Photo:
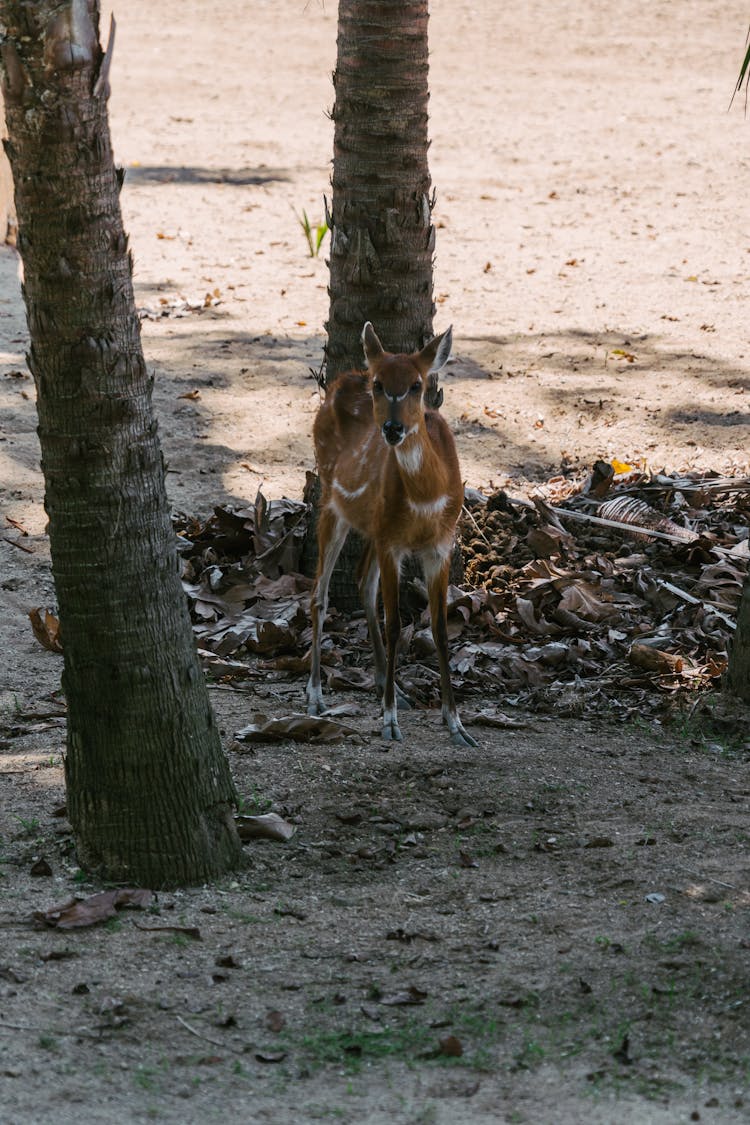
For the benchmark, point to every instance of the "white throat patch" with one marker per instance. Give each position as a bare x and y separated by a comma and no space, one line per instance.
410,459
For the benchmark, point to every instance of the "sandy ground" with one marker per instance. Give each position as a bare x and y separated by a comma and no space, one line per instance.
593,257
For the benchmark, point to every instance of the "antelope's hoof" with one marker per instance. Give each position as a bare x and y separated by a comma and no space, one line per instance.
315,703
461,738
391,732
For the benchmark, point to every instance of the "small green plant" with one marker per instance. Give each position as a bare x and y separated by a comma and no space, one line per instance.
313,234
47,1042
530,1055
351,1048
255,804
145,1077
30,826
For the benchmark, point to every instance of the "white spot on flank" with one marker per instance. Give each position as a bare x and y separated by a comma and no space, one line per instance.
350,495
410,459
430,507
363,451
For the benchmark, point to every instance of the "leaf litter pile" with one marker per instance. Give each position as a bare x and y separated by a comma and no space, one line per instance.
616,593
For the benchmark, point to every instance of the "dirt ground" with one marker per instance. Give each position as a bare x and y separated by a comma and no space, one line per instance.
566,906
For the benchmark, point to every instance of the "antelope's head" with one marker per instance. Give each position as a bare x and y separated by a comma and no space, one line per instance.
399,381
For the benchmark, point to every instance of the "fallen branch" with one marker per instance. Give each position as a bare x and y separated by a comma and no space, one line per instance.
686,597
630,528
21,546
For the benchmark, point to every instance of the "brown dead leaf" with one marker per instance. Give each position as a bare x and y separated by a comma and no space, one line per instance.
193,395
581,599
270,1056
488,718
77,913
227,961
275,1021
412,995
269,826
655,660
546,541
452,1047
46,629
300,728
350,679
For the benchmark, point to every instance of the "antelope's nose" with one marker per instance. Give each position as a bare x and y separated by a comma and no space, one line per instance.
393,432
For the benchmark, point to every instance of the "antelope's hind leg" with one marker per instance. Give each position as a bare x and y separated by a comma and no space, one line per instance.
436,568
332,533
389,574
369,583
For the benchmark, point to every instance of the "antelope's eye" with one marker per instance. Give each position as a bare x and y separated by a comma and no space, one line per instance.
377,387
415,388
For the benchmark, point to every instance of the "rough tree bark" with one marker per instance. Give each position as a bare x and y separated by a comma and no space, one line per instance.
382,237
738,673
149,789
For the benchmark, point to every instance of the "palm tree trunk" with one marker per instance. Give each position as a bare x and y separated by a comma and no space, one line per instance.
382,238
149,789
738,673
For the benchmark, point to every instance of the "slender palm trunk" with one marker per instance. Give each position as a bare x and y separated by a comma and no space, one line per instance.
149,789
382,236
738,673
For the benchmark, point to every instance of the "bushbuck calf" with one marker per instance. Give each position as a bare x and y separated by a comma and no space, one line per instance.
389,469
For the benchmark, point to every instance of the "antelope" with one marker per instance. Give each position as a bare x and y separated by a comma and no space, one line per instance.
388,468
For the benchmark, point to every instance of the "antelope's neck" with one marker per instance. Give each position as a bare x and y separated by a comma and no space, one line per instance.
422,475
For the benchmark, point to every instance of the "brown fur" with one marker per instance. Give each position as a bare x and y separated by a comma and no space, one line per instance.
403,497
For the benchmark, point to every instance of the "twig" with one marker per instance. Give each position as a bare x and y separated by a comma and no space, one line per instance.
709,879
695,601
685,484
478,529
21,546
79,1033
193,1031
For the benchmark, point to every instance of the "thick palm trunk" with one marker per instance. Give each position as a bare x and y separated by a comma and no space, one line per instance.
149,789
738,674
382,237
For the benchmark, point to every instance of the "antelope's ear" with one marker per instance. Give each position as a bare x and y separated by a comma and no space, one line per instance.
371,344
435,355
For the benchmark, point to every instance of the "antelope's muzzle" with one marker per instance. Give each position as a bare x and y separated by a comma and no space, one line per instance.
393,432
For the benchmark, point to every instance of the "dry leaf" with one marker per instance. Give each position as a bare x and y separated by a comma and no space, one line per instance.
300,728
655,660
77,913
269,826
413,995
270,1056
275,1021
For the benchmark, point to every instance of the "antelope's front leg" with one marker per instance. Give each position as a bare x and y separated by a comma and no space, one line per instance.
389,570
436,575
332,532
